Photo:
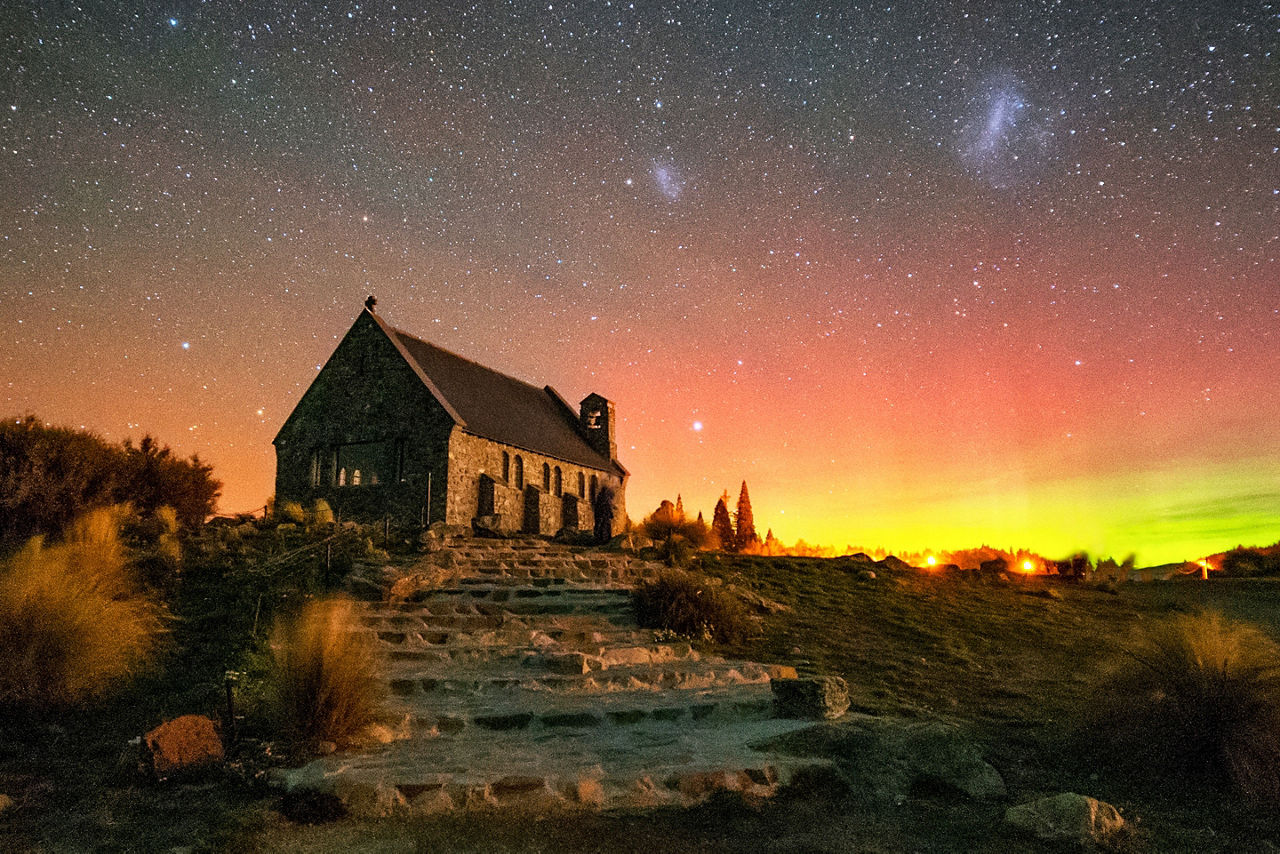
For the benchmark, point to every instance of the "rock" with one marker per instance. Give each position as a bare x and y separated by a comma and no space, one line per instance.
6,804
1067,817
891,758
434,801
568,663
762,604
782,671
816,698
865,575
368,798
183,745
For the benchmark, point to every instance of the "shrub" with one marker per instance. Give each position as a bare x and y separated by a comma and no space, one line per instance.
686,603
322,676
72,621
677,536
51,475
322,512
1201,697
291,512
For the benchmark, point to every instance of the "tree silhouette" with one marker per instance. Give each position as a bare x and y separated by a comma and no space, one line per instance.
722,526
745,536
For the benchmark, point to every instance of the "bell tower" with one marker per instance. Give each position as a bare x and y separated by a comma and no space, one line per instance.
598,419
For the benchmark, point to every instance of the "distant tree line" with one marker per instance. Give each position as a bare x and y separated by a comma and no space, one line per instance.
677,534
50,475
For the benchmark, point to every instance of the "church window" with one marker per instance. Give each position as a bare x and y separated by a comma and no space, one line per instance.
595,486
506,467
546,478
582,485
519,472
559,482
366,463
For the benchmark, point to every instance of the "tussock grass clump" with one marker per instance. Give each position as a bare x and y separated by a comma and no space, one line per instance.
73,622
692,605
322,674
1201,697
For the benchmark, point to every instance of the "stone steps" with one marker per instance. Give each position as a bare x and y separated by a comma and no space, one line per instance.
657,763
698,676
542,713
523,681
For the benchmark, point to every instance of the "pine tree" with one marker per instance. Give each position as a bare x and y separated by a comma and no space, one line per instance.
722,526
745,536
679,511
771,544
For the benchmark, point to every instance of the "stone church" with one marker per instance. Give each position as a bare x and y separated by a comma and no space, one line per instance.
395,427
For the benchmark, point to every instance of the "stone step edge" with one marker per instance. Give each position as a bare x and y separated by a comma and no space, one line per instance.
370,795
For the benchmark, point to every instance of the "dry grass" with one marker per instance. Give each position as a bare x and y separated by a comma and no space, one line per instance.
323,680
691,605
72,622
1201,697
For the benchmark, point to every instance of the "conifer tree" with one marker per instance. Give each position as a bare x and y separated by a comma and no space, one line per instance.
745,535
722,526
679,511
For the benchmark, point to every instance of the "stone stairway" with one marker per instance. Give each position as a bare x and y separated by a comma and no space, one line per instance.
524,682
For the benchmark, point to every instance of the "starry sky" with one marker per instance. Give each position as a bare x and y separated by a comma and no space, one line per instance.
925,274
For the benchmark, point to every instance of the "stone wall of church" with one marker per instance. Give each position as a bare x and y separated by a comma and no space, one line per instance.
470,457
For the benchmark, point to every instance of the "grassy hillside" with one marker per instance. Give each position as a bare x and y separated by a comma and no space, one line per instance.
1013,663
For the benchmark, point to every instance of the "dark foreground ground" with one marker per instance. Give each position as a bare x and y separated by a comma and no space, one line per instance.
1011,663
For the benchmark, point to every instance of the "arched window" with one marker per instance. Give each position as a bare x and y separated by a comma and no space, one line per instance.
506,467
595,486
519,472
355,477
582,485
342,477
546,478
559,482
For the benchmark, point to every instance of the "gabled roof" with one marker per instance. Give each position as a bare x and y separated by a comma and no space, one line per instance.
494,406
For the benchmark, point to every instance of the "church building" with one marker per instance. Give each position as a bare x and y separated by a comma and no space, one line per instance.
393,426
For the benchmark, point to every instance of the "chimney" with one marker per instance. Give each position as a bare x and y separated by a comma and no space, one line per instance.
597,420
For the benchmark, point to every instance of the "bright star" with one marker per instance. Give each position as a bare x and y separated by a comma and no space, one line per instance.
697,426
173,22
186,345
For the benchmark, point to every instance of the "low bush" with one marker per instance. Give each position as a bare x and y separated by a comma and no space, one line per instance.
322,680
1200,698
73,622
690,605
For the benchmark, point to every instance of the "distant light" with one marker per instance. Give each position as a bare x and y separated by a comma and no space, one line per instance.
186,345
931,560
697,426
1027,566
173,22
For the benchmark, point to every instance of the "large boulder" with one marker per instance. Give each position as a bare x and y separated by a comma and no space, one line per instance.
814,698
182,746
1067,817
892,759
